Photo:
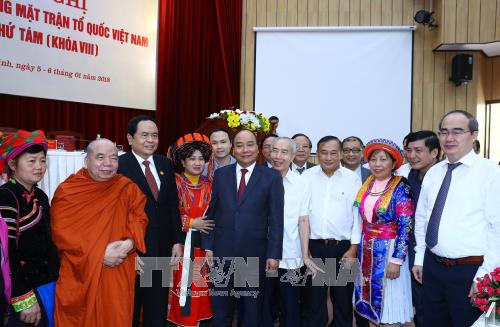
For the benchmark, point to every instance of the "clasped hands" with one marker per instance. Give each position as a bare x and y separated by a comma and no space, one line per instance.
117,251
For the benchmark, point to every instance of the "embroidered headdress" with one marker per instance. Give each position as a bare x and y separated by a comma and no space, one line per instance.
386,145
13,145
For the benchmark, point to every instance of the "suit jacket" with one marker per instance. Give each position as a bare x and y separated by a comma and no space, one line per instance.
365,172
252,227
164,228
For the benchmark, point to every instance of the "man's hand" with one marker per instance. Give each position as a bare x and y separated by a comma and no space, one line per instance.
138,265
418,272
203,225
114,255
312,267
32,315
176,254
473,290
209,256
349,256
393,270
271,265
126,245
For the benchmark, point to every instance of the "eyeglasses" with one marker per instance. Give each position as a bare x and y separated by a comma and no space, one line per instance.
302,146
453,132
353,150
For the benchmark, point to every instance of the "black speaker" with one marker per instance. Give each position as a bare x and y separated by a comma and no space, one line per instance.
461,69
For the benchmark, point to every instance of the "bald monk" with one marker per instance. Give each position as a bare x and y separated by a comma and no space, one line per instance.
98,222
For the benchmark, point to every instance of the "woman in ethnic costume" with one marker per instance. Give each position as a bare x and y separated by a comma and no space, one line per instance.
190,301
24,209
383,291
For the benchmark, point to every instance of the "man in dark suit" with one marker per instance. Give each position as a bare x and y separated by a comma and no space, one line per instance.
352,148
247,207
304,147
155,177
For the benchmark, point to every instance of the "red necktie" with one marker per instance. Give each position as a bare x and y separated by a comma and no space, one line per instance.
241,189
151,180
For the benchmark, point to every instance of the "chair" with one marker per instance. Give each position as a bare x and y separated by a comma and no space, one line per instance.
72,140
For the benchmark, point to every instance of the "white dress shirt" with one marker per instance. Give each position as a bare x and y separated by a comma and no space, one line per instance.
470,222
247,175
404,170
332,213
297,200
151,166
295,167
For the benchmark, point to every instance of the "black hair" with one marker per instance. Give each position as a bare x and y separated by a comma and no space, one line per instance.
266,137
351,139
430,138
329,138
215,130
273,118
386,152
405,140
473,125
303,135
187,150
132,124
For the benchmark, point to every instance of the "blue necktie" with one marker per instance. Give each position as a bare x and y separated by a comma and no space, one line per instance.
431,237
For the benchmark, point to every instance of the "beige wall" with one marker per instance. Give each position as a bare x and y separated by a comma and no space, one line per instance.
433,94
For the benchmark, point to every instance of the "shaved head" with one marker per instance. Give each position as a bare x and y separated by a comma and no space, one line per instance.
101,160
91,148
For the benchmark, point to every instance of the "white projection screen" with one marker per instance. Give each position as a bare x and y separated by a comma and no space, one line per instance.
336,81
91,51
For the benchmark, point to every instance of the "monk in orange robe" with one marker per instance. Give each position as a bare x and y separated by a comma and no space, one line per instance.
98,221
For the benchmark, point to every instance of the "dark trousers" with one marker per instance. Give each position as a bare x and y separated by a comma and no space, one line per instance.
288,296
153,301
341,296
446,290
417,292
224,296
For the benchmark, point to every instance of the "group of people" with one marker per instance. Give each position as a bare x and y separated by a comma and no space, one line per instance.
386,242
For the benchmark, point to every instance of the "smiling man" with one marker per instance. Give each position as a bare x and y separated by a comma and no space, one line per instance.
247,209
457,225
154,175
98,223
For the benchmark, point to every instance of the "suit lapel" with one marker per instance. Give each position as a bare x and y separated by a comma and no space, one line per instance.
234,185
254,179
161,174
139,176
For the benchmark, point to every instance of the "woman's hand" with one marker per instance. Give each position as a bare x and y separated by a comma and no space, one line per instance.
393,271
32,315
202,224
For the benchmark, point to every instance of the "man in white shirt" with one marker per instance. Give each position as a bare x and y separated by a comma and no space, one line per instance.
300,161
295,238
335,230
457,225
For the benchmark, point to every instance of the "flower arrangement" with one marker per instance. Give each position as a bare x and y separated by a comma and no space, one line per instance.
488,291
255,122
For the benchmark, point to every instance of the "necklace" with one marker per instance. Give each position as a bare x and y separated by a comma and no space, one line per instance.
380,192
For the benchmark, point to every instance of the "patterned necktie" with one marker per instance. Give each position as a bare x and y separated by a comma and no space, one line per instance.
301,170
431,237
242,187
150,179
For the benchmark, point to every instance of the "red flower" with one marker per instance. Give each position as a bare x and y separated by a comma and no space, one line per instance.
498,292
498,311
490,291
481,307
497,270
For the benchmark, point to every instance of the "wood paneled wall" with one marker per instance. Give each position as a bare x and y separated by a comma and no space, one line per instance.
433,94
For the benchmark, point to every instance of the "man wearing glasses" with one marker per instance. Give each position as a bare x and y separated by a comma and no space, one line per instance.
457,225
352,147
304,146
